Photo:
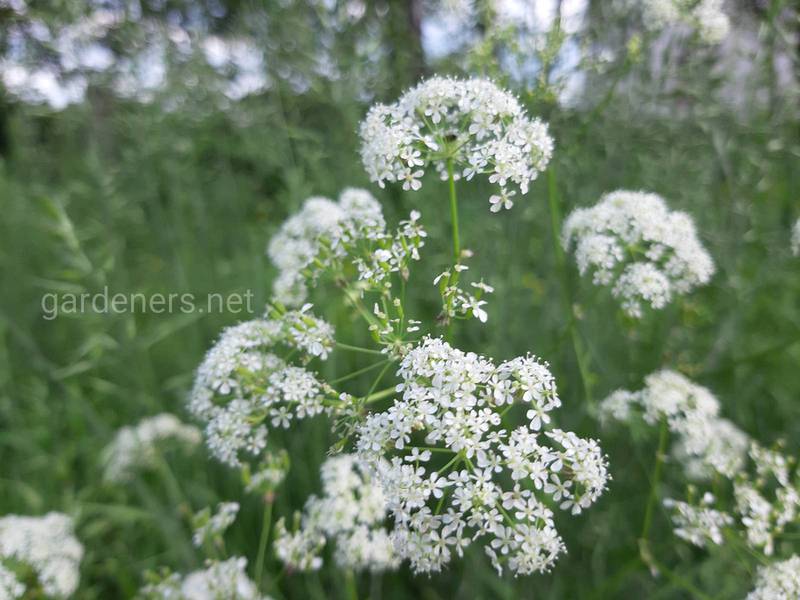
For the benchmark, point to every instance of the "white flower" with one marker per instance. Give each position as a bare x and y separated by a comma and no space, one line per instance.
47,545
138,447
796,238
481,128
298,550
242,383
350,513
452,405
778,581
321,225
766,491
706,443
10,587
698,525
209,526
632,242
220,579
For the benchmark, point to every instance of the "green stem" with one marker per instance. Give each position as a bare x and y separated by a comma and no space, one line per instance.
359,372
679,581
663,437
454,211
342,346
561,264
266,524
350,585
379,395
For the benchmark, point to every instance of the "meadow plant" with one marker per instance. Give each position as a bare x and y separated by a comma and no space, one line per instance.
141,446
633,243
219,579
350,515
752,493
39,556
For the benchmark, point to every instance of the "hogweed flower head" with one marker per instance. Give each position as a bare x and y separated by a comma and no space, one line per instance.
633,243
766,491
350,514
220,579
243,387
347,240
318,233
10,587
475,125
299,549
138,447
778,581
268,474
698,524
454,473
47,545
706,443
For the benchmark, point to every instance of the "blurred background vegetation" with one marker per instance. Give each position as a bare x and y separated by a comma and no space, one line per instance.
154,146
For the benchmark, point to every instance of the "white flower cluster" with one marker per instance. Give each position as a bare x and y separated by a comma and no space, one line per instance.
339,238
208,526
706,443
766,499
220,579
322,226
241,386
705,16
796,238
351,513
472,123
268,474
10,587
698,524
634,243
778,581
138,447
451,456
457,302
46,545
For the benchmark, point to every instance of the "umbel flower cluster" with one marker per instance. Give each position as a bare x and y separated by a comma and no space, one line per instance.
778,581
242,387
44,545
454,468
220,579
140,446
796,238
632,242
208,526
464,127
705,16
765,493
320,232
350,514
705,442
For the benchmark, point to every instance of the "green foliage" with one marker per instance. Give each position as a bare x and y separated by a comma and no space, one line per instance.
136,199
